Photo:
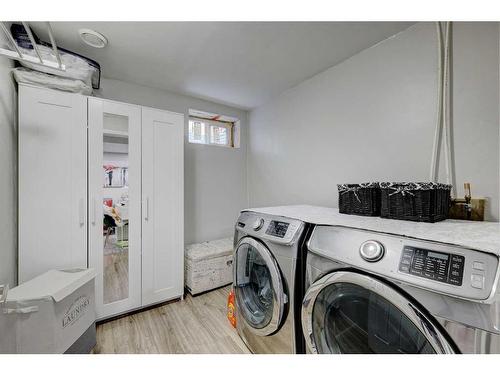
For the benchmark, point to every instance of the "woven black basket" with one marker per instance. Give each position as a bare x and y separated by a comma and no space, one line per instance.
359,199
415,201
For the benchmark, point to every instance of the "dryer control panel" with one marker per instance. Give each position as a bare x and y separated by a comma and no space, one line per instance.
272,228
433,265
277,228
438,267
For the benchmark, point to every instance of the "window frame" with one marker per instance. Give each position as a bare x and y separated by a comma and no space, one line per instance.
208,123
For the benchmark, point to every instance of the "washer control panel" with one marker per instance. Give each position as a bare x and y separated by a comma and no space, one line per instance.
277,228
273,228
433,265
439,267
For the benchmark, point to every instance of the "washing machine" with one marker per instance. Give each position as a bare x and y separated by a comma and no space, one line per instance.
370,292
268,281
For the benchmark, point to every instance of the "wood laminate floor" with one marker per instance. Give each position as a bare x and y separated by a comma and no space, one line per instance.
194,325
115,264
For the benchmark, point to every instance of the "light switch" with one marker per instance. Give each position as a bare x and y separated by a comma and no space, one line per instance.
477,281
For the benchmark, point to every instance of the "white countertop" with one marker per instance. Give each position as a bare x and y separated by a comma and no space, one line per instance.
482,236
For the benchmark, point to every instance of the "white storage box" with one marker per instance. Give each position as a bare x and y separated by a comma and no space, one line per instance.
52,313
208,265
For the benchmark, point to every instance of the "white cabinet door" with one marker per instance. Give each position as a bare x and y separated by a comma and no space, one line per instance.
115,205
163,205
52,181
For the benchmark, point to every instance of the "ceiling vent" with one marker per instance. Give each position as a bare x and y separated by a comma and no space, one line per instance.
93,38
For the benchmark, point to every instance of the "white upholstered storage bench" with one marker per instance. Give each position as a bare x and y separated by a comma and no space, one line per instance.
208,265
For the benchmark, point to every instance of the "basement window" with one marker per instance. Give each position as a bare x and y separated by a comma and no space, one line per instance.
213,129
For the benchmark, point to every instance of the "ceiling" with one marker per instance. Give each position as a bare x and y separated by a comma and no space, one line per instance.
242,64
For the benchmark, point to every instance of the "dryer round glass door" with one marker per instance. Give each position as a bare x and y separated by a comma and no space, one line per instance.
348,312
258,287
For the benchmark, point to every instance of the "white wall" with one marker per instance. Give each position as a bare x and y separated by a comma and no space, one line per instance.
372,118
8,171
215,177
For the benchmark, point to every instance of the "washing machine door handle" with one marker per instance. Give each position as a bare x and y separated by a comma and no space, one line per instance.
418,316
280,299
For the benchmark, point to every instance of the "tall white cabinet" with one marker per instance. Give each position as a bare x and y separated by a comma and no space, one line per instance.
113,125
52,181
101,185
163,202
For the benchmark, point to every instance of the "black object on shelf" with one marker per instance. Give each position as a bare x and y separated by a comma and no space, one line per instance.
359,199
415,201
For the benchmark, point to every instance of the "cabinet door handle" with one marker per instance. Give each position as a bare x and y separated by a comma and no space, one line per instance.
81,214
146,208
93,210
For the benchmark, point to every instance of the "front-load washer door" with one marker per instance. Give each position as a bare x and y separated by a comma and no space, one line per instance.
350,312
258,287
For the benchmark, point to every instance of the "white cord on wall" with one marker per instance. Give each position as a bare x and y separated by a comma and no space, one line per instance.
437,134
443,122
445,101
450,178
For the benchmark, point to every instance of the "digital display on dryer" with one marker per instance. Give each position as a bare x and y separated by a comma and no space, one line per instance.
277,228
